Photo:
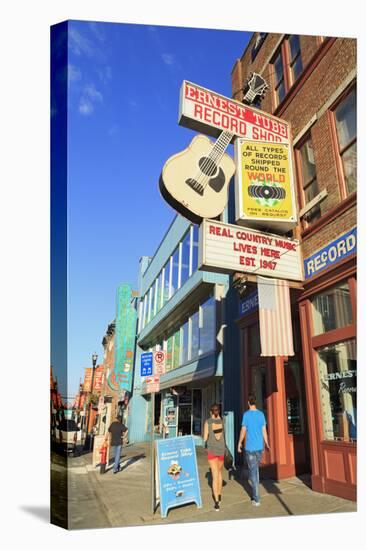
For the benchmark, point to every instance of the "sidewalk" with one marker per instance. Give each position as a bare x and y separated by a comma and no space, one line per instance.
124,499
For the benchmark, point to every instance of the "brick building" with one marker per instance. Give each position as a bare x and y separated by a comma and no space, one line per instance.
310,399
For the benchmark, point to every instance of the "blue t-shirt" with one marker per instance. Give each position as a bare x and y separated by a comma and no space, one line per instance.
254,421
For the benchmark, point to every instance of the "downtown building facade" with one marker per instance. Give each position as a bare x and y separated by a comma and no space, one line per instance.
310,398
182,311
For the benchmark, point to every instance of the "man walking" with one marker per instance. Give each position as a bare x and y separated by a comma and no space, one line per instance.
117,430
255,433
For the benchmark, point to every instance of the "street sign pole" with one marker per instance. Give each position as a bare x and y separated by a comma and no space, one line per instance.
152,461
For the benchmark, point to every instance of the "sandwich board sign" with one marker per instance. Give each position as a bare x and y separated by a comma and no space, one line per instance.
177,473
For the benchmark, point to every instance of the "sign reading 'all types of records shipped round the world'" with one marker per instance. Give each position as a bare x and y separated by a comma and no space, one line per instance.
264,185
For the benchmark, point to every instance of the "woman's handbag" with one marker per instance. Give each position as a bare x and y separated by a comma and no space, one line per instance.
228,459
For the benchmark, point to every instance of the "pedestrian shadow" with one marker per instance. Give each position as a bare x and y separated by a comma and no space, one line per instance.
270,485
131,461
124,465
208,476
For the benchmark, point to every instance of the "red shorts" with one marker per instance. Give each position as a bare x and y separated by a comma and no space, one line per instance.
211,456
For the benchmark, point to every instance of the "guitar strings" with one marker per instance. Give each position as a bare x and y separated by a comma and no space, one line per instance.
200,176
217,152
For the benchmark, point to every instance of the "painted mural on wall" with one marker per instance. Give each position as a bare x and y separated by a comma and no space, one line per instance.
120,379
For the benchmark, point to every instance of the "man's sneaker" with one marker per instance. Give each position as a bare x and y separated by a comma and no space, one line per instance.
255,503
217,507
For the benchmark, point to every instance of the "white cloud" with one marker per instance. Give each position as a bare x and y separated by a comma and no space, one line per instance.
105,74
74,73
85,106
89,98
79,44
93,94
97,30
168,58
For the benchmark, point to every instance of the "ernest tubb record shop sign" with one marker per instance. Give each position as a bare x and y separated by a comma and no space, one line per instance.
211,113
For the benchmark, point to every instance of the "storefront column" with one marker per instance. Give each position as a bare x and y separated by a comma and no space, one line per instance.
312,397
280,451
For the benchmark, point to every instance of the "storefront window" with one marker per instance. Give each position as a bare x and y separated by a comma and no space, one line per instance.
254,341
194,248
338,390
150,315
197,412
259,387
185,258
208,326
176,350
145,312
169,354
159,292
175,272
153,300
195,336
184,343
294,398
332,309
167,281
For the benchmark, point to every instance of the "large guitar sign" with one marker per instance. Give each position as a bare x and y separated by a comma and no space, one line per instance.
195,181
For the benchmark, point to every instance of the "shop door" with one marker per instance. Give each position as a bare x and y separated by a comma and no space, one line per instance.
185,413
259,386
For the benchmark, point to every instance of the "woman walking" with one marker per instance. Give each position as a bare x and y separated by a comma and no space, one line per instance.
214,436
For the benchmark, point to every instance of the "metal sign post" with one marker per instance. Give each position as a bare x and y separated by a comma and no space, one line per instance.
152,363
152,451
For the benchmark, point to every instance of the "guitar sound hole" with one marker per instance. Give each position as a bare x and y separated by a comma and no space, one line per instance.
207,166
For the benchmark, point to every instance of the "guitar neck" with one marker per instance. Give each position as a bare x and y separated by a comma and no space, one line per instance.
220,146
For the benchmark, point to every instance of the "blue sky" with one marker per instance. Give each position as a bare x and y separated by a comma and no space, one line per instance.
123,94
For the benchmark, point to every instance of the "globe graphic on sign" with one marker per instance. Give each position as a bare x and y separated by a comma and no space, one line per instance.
266,194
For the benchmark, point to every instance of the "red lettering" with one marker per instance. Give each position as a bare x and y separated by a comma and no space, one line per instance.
249,262
197,110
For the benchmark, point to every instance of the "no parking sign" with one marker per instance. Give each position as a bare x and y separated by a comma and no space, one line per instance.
159,362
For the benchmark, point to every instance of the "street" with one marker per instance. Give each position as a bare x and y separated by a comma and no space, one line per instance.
124,499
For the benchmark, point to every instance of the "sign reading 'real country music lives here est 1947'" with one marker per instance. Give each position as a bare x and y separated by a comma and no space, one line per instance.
178,481
264,185
229,248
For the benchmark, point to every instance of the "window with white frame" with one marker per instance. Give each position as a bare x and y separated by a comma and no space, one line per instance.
346,126
208,326
177,270
149,313
308,179
166,282
185,258
196,336
194,248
